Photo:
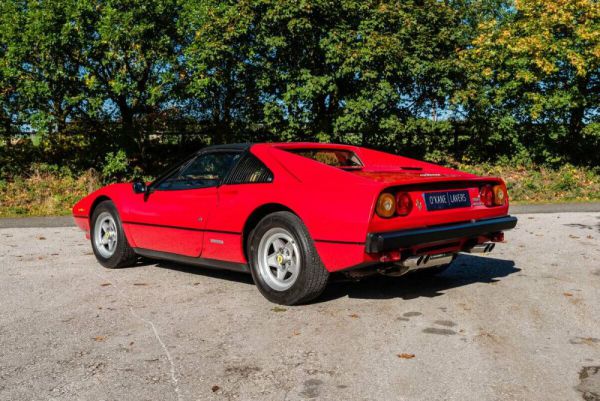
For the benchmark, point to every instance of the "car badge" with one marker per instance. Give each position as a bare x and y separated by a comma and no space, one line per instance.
419,204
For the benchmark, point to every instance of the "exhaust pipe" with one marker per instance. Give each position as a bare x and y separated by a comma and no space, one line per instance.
483,248
425,261
417,262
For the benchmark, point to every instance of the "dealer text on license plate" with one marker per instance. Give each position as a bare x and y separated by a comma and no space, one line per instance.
447,200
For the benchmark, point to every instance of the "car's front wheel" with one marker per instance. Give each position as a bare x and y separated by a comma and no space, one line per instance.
108,239
284,262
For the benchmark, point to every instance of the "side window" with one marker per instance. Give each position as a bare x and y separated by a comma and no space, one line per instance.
204,171
250,170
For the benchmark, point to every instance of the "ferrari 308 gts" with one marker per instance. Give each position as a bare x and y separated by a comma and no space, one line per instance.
293,213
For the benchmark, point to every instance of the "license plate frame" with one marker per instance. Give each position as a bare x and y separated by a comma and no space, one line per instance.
444,200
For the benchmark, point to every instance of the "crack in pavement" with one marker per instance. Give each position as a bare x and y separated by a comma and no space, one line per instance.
173,369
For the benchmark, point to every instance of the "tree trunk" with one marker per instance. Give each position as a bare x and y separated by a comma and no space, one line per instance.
576,119
126,115
322,122
127,126
7,133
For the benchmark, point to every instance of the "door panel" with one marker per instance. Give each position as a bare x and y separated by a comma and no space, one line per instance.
171,221
171,217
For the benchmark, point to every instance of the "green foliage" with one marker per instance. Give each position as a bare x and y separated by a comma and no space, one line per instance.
116,166
532,183
361,72
52,190
130,61
539,68
45,190
458,79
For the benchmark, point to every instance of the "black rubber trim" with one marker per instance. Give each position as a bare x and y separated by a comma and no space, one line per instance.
386,241
189,260
339,242
182,228
236,147
80,216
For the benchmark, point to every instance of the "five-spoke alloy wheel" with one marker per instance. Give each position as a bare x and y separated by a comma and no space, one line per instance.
105,234
108,239
283,260
279,259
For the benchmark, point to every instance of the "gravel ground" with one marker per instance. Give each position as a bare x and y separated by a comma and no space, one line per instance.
522,324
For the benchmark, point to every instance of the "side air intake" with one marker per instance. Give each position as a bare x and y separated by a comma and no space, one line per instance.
250,170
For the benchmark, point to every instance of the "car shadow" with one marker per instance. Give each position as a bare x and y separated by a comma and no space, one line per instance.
465,270
220,274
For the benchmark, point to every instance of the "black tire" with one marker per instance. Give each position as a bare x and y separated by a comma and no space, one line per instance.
312,277
124,254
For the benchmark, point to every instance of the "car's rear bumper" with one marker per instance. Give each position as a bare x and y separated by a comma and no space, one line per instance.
393,240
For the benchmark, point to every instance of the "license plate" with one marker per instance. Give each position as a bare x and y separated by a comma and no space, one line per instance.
447,200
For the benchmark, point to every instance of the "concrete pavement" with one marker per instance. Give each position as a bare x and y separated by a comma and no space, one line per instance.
521,324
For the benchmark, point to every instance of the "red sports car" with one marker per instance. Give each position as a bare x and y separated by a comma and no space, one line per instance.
292,213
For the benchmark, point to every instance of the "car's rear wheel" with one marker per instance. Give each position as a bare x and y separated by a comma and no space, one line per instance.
108,239
284,262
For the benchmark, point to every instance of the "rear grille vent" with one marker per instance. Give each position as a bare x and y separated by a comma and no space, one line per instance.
250,170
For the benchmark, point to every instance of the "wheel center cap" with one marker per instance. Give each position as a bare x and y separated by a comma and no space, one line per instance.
279,259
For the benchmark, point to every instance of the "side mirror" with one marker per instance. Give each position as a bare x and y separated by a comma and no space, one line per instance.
139,187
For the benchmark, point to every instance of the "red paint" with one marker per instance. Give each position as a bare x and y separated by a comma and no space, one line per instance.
337,206
151,219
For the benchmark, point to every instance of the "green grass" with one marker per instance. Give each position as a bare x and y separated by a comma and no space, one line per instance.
538,184
52,192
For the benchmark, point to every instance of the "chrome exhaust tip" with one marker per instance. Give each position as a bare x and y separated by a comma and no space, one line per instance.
416,263
486,247
412,262
425,261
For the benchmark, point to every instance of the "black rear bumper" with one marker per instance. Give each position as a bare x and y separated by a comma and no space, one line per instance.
392,240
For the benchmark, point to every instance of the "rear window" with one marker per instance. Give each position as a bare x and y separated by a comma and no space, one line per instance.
332,157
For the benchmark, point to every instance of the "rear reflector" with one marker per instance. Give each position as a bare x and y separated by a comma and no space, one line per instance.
392,256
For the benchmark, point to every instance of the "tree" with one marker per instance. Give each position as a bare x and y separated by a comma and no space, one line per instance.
131,62
479,78
40,76
343,70
220,60
537,70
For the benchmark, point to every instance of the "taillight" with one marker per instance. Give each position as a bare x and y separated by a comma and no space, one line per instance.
386,205
403,203
493,196
499,195
486,195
